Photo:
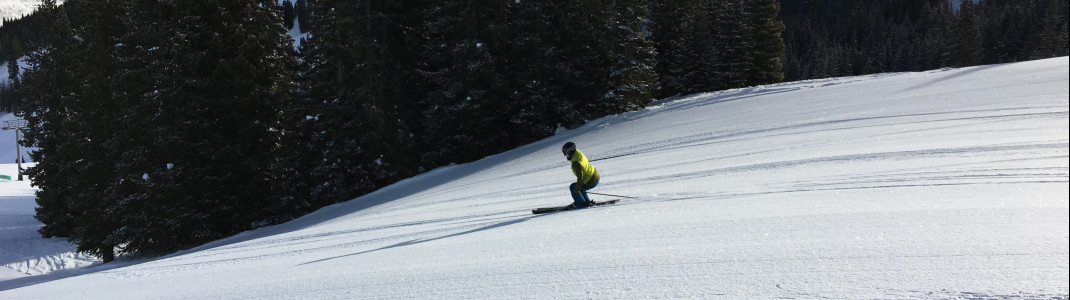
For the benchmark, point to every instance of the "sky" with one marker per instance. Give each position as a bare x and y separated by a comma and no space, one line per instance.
950,183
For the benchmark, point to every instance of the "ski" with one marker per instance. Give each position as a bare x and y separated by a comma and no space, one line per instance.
544,210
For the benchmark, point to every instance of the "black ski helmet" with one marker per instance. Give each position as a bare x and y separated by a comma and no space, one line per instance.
568,149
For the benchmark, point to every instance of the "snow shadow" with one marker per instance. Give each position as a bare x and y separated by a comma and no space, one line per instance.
400,190
681,103
413,186
955,73
425,240
61,274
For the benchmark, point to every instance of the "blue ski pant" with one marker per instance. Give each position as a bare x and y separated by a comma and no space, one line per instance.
581,196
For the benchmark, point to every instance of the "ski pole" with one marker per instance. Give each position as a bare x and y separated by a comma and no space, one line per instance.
600,194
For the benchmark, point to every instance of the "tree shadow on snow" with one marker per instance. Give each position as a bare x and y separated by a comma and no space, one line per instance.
425,240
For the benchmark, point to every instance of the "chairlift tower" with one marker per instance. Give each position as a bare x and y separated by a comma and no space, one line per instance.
16,125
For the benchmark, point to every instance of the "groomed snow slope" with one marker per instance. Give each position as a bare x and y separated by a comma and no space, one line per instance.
942,184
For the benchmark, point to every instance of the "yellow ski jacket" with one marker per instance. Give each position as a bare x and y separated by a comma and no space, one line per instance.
585,173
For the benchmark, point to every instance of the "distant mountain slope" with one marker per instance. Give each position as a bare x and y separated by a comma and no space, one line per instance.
14,9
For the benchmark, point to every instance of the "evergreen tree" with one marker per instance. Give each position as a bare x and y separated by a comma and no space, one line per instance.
207,166
144,86
403,86
67,106
467,105
768,50
304,15
321,107
101,109
705,55
288,14
733,37
671,23
933,49
352,129
633,78
1052,40
876,36
47,84
537,105
709,45
9,99
586,42
967,36
13,69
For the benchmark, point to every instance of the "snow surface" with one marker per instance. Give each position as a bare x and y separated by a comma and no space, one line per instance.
22,250
943,184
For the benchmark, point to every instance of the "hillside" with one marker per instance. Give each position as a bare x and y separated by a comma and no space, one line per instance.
950,183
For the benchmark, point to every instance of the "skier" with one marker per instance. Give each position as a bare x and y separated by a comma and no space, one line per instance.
586,176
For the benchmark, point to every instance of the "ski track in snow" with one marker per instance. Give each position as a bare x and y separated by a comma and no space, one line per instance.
948,184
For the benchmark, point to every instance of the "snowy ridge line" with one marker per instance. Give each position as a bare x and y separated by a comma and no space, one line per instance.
703,99
929,153
705,139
